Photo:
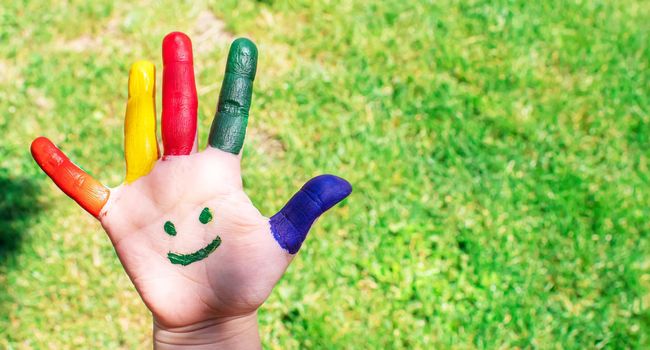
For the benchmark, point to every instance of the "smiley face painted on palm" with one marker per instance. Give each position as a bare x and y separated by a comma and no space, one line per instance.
185,259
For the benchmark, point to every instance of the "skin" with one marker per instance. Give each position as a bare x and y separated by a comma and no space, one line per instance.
209,303
234,280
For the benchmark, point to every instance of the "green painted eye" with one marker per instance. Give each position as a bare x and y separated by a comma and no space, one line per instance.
170,228
206,216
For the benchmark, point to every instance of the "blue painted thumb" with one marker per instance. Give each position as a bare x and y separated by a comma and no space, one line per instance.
292,223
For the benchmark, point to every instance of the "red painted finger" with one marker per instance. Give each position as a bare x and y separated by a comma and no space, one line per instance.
89,193
179,102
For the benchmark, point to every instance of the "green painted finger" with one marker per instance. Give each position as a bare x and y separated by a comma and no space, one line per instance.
229,125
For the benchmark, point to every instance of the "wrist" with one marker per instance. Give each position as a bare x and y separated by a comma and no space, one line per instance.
237,332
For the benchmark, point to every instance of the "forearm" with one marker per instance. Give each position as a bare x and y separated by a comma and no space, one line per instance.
239,332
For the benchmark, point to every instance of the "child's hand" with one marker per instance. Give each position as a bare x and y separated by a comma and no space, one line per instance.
200,254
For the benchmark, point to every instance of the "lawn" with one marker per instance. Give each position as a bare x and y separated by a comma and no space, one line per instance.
499,153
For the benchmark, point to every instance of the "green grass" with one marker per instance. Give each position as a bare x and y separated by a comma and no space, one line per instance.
499,152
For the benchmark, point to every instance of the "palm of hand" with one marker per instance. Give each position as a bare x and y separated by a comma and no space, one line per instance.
218,265
234,279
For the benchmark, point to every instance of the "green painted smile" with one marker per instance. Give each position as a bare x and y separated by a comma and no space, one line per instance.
186,259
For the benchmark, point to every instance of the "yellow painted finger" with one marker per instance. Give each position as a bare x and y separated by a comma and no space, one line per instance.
140,144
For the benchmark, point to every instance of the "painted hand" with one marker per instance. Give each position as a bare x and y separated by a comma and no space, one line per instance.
189,238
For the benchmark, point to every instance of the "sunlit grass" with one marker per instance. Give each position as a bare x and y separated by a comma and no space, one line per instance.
498,152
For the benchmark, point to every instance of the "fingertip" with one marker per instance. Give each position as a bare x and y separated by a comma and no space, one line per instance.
242,58
142,78
244,45
329,189
45,153
38,144
177,47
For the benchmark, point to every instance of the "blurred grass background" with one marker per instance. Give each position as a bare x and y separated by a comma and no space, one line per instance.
499,152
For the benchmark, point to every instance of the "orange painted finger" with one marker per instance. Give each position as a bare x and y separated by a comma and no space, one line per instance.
89,193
